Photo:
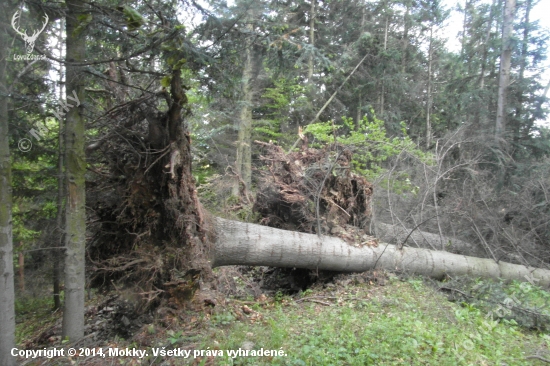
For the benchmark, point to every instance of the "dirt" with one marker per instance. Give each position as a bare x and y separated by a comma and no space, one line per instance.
118,315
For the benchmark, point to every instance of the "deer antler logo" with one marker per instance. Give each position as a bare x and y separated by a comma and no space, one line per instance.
29,40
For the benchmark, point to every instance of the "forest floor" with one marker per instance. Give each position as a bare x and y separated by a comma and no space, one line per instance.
374,318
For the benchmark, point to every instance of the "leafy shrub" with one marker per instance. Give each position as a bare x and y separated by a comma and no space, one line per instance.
370,142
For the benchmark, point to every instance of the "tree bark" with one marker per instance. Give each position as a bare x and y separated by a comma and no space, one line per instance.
429,93
422,239
56,254
75,239
21,265
359,115
240,243
405,40
7,290
516,128
243,161
464,25
311,42
485,47
505,61
382,80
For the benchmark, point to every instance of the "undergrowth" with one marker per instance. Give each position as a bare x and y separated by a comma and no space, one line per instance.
382,321
33,314
521,302
401,323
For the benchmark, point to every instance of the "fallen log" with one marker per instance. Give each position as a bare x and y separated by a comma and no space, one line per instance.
422,239
240,243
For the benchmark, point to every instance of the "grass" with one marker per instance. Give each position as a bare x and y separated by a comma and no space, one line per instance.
401,323
33,315
404,322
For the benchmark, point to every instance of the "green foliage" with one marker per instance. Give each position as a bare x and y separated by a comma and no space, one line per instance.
33,314
520,303
165,81
202,172
175,337
224,318
370,143
134,20
267,130
279,296
401,323
285,95
20,232
34,187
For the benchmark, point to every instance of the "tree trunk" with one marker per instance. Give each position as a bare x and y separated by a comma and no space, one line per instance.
422,239
311,42
75,239
56,254
505,61
405,41
429,93
21,265
240,243
485,47
359,109
243,161
516,127
7,291
383,81
310,67
464,25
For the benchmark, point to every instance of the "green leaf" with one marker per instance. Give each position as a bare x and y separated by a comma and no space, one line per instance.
134,20
165,81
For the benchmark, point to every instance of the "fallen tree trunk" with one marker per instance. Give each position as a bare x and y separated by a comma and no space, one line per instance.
240,243
398,234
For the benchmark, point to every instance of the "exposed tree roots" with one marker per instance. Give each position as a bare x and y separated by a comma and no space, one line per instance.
150,230
314,191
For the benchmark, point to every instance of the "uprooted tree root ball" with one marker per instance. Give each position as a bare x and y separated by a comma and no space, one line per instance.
314,191
150,231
